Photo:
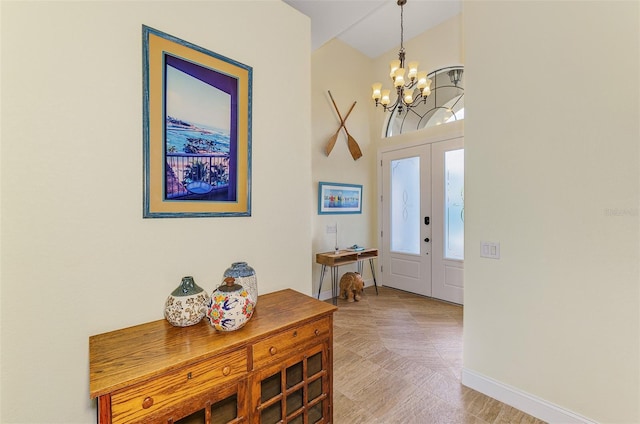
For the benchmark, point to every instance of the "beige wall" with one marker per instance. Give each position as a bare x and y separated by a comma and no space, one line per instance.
339,68
552,159
77,257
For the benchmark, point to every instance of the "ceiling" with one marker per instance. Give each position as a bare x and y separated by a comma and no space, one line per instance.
372,26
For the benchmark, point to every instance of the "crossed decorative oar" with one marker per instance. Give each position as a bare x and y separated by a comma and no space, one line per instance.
354,148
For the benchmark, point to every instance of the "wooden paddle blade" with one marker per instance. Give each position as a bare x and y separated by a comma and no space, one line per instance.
354,149
330,144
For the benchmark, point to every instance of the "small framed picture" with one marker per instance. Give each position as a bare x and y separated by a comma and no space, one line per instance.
338,198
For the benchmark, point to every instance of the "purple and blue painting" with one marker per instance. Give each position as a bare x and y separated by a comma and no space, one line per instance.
200,132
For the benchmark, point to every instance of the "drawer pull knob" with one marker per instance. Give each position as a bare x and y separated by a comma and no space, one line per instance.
273,350
317,332
226,370
147,402
295,334
189,376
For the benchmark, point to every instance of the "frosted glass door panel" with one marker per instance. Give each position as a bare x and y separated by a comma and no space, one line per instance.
405,205
454,204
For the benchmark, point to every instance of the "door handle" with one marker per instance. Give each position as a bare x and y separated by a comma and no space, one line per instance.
426,220
427,240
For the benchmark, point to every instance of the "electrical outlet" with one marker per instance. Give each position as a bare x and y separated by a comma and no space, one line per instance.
332,229
489,250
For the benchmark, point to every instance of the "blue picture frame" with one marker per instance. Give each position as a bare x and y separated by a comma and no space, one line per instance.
197,130
339,198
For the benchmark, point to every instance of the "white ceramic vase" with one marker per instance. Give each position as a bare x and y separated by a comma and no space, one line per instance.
245,276
186,305
230,307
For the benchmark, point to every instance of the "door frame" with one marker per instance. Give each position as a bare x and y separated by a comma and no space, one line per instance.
412,139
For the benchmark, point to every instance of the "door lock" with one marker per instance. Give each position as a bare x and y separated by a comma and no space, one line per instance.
426,220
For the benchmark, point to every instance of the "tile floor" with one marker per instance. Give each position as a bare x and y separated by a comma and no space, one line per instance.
398,360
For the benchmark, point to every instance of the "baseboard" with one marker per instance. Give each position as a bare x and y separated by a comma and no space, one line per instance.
523,401
326,294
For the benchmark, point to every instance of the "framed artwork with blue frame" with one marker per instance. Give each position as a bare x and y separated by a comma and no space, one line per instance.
338,198
197,130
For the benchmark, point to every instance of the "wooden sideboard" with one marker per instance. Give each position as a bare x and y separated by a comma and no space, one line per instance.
277,368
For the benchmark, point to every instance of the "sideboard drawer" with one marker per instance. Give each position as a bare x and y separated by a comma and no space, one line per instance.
170,389
277,346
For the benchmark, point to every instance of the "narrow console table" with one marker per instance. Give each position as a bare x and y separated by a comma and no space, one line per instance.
344,257
277,368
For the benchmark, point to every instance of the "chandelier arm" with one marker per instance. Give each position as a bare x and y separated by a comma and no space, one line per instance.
393,106
410,85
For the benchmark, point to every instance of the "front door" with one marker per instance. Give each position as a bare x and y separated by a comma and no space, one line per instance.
422,214
406,226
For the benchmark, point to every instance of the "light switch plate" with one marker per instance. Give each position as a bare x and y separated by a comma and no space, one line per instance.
490,250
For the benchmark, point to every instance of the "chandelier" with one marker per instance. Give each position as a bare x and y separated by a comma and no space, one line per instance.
405,90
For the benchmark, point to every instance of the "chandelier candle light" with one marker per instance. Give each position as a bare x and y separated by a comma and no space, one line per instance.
405,90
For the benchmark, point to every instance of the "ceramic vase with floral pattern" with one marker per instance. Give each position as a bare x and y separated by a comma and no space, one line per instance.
245,276
230,306
186,305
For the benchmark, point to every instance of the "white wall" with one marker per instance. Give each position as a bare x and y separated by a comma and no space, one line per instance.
77,257
552,174
339,68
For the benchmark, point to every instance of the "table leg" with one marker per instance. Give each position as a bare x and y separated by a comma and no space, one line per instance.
322,271
334,284
373,273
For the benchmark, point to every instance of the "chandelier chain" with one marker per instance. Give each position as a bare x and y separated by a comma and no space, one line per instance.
402,27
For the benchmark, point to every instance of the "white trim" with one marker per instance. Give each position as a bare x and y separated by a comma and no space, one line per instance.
523,401
420,137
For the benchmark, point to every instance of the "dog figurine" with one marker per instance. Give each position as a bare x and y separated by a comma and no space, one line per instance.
351,286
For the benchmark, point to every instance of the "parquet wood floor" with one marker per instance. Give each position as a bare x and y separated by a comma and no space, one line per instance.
398,360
